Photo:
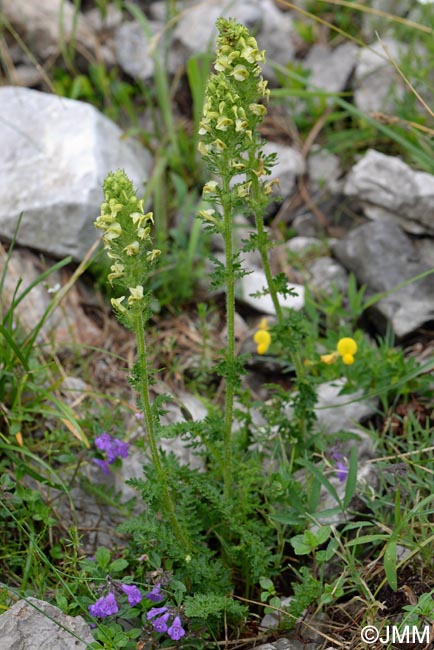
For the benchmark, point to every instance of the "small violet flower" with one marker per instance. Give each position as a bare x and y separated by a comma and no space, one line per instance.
113,447
102,464
160,624
105,606
155,611
341,467
133,593
155,594
176,631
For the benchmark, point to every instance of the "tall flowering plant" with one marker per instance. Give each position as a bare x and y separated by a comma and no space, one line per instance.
231,147
128,244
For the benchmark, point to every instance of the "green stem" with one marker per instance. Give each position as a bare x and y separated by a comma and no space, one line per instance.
263,251
139,327
230,344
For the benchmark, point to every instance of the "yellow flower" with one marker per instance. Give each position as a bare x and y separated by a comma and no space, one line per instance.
203,148
132,249
113,231
153,255
240,72
347,348
258,109
210,187
329,358
116,303
117,271
136,294
223,123
262,337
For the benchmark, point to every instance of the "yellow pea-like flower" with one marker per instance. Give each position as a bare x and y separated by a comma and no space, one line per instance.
262,339
347,348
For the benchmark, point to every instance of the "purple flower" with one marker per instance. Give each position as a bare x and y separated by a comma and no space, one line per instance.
341,467
139,416
176,631
113,447
105,606
155,595
133,593
155,611
341,471
102,464
160,624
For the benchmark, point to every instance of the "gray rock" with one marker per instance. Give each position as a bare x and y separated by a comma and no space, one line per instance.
135,51
425,249
186,407
376,82
196,30
54,157
391,190
33,624
256,281
331,68
289,164
45,26
277,36
104,21
284,644
324,170
327,274
66,322
272,621
372,23
26,75
382,256
306,225
301,244
336,412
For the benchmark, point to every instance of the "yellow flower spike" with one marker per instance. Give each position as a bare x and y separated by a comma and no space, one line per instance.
263,324
262,338
348,359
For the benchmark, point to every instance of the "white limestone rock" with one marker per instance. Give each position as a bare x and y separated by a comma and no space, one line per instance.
33,624
390,190
54,157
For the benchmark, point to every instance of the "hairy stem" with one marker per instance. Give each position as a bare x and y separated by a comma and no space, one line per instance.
139,327
230,344
263,251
